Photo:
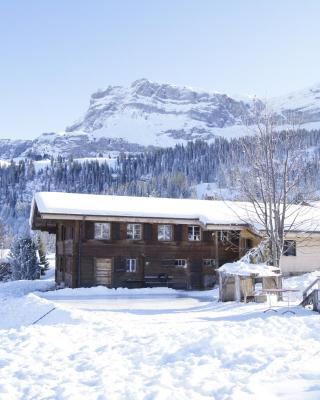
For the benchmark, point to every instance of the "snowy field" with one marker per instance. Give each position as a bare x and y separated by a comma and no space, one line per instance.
152,344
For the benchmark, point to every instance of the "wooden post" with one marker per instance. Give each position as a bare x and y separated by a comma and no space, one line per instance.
80,232
220,287
216,243
237,288
241,246
316,300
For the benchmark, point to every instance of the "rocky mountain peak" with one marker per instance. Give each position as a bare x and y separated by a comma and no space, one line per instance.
148,113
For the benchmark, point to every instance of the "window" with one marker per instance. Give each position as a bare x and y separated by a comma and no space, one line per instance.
134,231
209,262
102,230
179,263
131,265
165,232
247,244
194,233
289,248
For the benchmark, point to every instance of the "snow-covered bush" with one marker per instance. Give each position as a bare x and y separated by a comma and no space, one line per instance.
23,259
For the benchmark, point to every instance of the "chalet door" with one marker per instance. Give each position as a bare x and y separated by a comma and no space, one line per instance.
103,271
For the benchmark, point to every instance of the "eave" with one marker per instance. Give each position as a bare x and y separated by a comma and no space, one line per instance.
47,221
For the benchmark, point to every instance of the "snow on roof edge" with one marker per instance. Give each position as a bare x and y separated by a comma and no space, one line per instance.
245,269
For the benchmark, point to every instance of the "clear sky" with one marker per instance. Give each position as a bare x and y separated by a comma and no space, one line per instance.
54,54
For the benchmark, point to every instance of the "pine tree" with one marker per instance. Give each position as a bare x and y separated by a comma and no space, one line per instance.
23,259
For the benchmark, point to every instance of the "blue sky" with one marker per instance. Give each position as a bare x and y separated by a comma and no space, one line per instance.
54,54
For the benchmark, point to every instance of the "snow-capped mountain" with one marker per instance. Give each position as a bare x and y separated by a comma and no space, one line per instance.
306,102
153,114
150,113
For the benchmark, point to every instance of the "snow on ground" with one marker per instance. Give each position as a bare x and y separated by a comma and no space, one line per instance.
211,189
300,283
24,287
110,159
4,163
19,306
4,254
153,344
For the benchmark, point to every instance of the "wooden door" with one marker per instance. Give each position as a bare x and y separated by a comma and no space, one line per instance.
103,271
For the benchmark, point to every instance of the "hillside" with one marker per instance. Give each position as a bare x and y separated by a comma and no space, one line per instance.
196,169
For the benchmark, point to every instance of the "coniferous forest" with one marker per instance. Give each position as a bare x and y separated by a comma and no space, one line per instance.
168,172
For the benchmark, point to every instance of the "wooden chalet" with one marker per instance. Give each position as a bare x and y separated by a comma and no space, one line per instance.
121,241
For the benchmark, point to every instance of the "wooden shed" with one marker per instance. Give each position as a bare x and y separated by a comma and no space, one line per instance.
238,280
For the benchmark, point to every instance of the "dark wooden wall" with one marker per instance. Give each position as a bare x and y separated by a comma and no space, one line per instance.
77,250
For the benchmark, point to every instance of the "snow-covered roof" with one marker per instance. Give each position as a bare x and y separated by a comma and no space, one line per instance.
246,269
207,212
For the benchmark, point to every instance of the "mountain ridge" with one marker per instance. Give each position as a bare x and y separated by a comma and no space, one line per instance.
155,114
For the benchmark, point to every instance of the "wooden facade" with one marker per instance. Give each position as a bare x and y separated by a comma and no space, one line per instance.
83,259
179,261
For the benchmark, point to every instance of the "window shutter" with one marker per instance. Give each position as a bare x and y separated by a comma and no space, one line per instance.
115,231
147,232
123,231
207,236
178,233
89,230
120,264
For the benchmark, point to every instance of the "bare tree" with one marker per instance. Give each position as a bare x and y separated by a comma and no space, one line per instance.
274,178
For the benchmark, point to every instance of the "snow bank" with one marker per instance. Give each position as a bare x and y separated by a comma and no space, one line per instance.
23,287
19,306
243,268
19,312
300,283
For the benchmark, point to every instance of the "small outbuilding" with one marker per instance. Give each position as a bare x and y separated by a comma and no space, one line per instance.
238,281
